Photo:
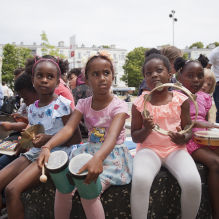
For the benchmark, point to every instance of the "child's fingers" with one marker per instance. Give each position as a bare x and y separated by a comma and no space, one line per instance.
89,178
82,169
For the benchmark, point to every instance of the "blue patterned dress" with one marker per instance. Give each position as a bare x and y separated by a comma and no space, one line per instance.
50,117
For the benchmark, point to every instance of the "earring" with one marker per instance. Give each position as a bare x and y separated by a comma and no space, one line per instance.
33,85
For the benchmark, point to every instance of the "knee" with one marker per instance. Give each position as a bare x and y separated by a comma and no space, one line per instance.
192,184
141,181
214,166
11,191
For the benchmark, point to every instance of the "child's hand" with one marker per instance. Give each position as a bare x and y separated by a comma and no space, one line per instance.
177,138
43,157
148,123
40,140
19,118
206,125
94,167
6,126
18,148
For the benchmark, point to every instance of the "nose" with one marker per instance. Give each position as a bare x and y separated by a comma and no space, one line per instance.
44,80
154,74
102,77
196,80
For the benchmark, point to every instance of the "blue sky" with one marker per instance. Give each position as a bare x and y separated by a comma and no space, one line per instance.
128,24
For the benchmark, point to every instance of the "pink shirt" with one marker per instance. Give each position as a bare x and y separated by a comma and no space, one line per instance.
168,117
63,90
99,122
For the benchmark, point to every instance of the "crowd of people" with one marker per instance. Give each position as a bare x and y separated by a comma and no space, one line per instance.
77,103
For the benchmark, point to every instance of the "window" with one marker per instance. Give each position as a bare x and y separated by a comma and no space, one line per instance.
115,80
61,52
120,68
122,56
79,55
79,65
114,56
88,53
69,54
1,52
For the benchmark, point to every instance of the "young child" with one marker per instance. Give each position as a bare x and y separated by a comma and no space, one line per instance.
170,110
24,88
102,111
53,113
192,77
209,82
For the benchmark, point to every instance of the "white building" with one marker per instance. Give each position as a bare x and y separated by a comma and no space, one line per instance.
194,52
118,54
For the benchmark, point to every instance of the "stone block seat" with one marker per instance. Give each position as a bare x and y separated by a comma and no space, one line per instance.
164,200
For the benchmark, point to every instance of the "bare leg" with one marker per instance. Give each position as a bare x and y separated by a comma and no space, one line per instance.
14,168
27,179
210,158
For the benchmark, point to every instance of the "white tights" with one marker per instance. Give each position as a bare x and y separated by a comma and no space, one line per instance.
146,166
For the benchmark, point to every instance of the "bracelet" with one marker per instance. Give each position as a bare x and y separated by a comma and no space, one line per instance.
46,147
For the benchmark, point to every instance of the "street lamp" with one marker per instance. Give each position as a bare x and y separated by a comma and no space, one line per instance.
174,19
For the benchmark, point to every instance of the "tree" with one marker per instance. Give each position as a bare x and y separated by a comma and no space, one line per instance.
13,57
49,49
186,56
132,67
216,44
199,45
105,46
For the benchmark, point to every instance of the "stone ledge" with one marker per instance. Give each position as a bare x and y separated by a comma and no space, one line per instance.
164,200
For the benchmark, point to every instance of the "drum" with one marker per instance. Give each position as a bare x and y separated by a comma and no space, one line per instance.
58,169
208,138
90,191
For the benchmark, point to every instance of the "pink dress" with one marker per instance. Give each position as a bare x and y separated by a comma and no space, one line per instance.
168,117
204,102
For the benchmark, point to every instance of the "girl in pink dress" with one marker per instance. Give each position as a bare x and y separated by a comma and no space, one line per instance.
192,77
170,110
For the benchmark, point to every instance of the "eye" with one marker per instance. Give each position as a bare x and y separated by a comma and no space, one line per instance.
50,76
95,74
159,70
200,76
106,72
148,74
39,75
190,76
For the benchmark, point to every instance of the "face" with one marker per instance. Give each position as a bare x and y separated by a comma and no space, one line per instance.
72,81
206,85
192,77
28,97
99,76
154,72
45,78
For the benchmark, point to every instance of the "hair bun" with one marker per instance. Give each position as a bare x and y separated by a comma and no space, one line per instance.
179,63
203,60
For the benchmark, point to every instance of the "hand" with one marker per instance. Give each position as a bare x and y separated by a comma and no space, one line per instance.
19,118
7,126
94,167
18,148
177,138
43,157
40,140
206,125
148,123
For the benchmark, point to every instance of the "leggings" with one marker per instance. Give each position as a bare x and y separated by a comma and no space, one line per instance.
146,166
93,208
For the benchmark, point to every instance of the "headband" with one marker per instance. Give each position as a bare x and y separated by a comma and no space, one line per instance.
42,59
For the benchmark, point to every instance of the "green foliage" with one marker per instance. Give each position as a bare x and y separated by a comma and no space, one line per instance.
199,45
186,56
216,44
166,45
132,67
13,57
49,49
105,46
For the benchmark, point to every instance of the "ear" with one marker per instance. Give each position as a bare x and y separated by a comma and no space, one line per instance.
170,75
180,77
87,83
58,82
32,80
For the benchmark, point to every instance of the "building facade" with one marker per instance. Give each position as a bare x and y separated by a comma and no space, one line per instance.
118,54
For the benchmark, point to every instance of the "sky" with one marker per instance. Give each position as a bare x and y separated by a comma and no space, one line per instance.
125,23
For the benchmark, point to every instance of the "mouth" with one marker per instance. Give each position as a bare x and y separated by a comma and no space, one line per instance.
202,89
102,86
43,87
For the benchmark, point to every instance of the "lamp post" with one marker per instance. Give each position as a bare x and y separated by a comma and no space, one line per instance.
174,20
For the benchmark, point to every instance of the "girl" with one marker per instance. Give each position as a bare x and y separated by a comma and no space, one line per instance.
53,113
192,77
104,116
169,110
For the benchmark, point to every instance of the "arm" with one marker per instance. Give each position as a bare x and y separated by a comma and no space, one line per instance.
176,137
8,126
209,66
138,133
19,118
61,137
95,165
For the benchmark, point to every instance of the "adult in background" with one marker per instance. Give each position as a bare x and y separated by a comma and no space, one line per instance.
1,96
214,63
80,91
5,89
